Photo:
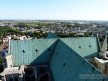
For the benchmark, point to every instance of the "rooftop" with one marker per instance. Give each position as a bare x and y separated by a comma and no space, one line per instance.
66,57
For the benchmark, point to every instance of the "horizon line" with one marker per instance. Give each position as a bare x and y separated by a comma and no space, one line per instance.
55,19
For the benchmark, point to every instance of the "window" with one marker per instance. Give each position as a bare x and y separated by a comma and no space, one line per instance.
64,65
36,50
79,46
23,51
89,45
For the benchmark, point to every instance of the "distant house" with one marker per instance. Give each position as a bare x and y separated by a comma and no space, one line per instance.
80,33
23,37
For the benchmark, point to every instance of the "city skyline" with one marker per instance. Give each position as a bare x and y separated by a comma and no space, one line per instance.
54,9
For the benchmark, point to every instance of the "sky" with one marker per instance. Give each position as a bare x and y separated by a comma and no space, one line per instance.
54,9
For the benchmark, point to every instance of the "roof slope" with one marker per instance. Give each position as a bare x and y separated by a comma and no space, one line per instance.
27,51
67,65
84,46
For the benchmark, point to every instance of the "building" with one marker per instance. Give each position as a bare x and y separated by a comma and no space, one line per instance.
56,59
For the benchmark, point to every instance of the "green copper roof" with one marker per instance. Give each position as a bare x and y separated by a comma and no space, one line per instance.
51,35
64,56
27,51
37,50
84,46
67,65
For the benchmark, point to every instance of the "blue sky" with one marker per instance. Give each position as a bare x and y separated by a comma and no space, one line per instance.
54,9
